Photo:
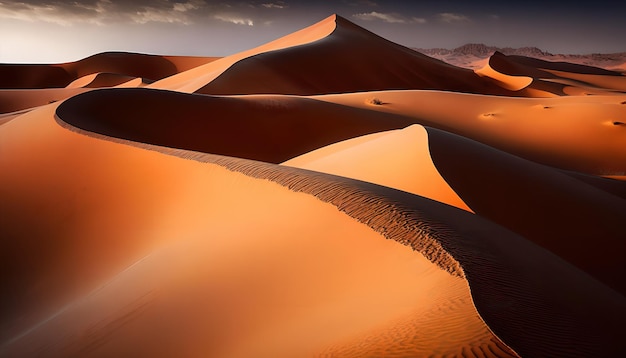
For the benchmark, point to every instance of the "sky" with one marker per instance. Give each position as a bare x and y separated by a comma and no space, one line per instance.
42,31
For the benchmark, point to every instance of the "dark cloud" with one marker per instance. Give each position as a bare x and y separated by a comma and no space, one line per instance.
222,26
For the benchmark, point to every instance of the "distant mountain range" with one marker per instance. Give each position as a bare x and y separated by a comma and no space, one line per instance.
474,56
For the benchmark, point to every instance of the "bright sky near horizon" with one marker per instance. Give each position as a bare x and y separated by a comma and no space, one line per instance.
42,31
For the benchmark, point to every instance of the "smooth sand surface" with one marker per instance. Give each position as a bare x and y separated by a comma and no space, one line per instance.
14,100
397,159
296,286
575,133
409,208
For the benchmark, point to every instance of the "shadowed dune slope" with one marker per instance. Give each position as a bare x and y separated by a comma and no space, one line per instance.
271,129
33,76
545,206
152,67
190,81
347,60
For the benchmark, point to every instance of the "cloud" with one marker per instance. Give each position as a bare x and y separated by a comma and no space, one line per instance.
237,20
100,12
276,5
450,17
361,3
55,13
390,18
418,20
176,13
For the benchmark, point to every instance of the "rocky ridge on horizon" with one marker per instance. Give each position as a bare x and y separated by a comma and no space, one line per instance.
473,56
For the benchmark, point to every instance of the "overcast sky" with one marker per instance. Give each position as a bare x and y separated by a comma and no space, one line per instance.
40,31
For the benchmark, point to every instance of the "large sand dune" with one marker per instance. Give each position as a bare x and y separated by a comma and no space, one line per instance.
329,193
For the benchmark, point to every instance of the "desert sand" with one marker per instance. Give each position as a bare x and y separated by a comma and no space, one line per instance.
329,193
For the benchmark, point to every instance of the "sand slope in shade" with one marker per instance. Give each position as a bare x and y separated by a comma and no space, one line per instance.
574,133
267,128
398,159
545,206
305,296
194,79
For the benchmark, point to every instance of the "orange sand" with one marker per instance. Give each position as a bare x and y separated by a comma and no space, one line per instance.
420,209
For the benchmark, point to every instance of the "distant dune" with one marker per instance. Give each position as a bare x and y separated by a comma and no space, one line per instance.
473,55
329,193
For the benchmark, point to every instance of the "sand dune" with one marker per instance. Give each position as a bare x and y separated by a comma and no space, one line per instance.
267,128
302,70
152,67
163,272
591,80
329,193
18,100
101,79
574,133
398,159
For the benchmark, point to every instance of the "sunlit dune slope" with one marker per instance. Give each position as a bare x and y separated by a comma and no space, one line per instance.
542,203
584,134
267,128
160,243
100,79
192,80
13,100
347,59
398,159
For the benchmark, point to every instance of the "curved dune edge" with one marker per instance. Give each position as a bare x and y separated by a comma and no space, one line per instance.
542,204
102,79
268,128
196,78
525,317
158,293
421,237
398,159
513,83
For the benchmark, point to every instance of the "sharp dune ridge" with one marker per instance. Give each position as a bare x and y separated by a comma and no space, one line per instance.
329,193
396,215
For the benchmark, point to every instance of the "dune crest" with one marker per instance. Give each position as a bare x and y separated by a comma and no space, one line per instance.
399,159
192,80
513,83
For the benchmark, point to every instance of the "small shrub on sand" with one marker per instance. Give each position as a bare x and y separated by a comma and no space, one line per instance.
375,101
